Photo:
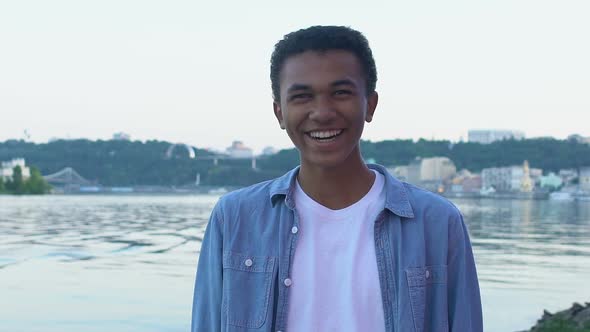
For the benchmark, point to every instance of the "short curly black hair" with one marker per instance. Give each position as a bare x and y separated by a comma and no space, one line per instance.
322,38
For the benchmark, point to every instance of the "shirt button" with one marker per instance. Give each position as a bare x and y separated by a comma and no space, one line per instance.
287,282
248,262
427,274
294,230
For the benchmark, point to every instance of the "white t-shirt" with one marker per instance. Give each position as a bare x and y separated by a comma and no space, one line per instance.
335,282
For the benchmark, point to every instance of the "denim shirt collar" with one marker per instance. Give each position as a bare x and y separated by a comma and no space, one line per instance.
396,197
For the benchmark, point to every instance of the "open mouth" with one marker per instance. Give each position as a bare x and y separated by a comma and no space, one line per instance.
325,135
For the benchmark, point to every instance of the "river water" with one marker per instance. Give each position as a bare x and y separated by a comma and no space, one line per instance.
127,263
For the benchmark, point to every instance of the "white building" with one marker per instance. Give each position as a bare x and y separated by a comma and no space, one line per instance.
512,178
121,136
239,150
501,178
489,136
414,171
7,169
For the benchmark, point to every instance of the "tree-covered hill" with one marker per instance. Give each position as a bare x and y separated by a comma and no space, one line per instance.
547,154
113,162
128,163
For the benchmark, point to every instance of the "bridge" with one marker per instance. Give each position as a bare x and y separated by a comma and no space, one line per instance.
67,177
217,158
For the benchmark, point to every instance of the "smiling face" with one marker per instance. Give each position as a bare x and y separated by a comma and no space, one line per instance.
323,106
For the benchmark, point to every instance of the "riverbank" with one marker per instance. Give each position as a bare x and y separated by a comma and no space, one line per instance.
142,190
498,195
574,319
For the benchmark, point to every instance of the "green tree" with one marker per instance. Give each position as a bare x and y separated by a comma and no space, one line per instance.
36,184
17,184
131,163
2,187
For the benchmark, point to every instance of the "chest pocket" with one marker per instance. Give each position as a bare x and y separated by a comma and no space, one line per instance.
247,282
428,297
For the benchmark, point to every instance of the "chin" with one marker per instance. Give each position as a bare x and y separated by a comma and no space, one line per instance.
326,160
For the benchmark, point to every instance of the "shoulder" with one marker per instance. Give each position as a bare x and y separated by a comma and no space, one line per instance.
252,200
249,196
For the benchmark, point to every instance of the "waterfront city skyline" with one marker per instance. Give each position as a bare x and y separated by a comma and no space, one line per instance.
185,72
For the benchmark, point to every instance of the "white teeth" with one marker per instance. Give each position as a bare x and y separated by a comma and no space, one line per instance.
325,134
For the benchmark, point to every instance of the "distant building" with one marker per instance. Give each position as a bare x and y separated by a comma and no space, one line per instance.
585,179
512,178
239,150
413,171
121,137
400,172
465,181
551,181
502,178
568,175
421,171
269,150
536,174
437,169
489,136
579,138
526,183
7,169
472,184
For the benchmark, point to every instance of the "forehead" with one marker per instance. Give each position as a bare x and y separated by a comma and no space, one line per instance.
313,68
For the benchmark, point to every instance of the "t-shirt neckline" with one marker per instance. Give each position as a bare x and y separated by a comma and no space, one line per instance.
308,203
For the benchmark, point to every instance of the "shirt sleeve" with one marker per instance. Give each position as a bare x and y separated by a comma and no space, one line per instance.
465,312
206,314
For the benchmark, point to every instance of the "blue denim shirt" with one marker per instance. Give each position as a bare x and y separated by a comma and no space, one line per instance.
426,268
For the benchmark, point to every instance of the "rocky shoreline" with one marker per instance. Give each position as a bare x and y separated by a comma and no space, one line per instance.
574,319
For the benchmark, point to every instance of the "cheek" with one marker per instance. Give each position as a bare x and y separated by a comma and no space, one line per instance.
360,118
293,120
360,128
292,132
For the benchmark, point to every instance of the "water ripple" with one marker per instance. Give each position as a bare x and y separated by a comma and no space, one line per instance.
97,252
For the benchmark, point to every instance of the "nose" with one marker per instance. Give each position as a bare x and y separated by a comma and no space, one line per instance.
323,110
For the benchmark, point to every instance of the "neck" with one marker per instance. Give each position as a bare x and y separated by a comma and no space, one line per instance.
336,187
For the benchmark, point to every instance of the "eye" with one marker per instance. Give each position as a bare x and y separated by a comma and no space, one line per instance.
342,92
300,97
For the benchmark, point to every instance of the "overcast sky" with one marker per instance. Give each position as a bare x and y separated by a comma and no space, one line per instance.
197,72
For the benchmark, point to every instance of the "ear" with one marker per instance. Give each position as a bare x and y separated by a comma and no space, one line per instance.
372,101
278,113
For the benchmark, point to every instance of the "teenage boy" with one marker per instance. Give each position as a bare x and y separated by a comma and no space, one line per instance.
335,244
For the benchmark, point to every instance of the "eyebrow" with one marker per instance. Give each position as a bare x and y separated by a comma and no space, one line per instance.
344,82
298,87
305,87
